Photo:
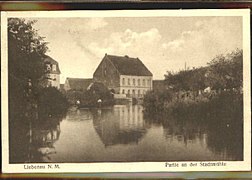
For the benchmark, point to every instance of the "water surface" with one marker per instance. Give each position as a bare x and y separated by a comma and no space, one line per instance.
123,133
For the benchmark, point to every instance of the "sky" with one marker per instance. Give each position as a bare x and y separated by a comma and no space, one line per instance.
161,43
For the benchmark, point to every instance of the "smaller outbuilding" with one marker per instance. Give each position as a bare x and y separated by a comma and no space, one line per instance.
77,84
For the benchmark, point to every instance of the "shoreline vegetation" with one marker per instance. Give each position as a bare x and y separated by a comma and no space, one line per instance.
212,93
89,98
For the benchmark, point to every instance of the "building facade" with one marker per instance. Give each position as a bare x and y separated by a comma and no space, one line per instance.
52,72
124,75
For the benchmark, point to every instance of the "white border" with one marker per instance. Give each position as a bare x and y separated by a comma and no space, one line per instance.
124,166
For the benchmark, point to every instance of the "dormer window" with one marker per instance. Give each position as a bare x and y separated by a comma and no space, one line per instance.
48,67
54,67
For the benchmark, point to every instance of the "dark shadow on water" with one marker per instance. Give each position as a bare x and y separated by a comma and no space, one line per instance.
34,143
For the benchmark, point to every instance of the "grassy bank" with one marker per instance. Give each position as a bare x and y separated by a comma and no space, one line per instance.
222,106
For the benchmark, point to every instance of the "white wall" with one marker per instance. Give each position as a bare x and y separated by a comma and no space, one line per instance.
54,80
131,87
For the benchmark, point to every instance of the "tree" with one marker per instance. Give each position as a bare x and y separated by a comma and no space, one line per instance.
25,73
97,91
193,80
26,49
225,72
25,65
51,102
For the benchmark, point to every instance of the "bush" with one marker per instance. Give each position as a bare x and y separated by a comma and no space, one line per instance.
51,102
155,101
97,91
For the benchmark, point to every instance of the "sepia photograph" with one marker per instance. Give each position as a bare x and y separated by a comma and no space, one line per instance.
89,91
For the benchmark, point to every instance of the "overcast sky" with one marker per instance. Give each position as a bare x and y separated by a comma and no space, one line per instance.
163,44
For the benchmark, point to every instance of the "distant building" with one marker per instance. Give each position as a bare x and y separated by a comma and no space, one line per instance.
53,72
124,75
77,84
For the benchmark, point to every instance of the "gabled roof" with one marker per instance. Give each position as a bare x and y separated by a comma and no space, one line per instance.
129,66
48,59
79,83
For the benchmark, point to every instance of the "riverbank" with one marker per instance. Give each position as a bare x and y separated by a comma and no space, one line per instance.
222,106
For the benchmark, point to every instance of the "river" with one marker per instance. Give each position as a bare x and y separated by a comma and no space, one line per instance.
123,133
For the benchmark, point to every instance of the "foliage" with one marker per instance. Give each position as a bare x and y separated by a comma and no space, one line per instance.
223,106
182,99
97,91
25,50
25,66
90,97
223,72
73,96
186,80
25,73
51,102
155,101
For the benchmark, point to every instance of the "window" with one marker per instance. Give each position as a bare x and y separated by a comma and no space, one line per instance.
128,91
139,92
123,81
54,67
143,91
133,92
129,81
148,82
48,67
123,91
138,82
143,82
134,82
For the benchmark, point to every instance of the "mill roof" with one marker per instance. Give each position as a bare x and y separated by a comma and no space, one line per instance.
79,83
48,59
129,66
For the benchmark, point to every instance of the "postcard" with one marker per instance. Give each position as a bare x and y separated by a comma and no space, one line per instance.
126,91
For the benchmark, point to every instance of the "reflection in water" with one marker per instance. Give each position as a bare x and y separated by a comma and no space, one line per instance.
44,135
122,133
222,136
184,132
120,125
